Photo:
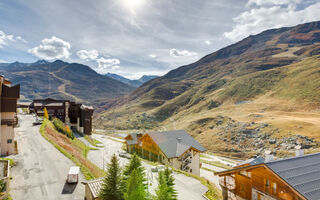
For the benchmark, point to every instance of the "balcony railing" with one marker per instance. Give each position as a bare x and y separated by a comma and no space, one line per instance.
9,122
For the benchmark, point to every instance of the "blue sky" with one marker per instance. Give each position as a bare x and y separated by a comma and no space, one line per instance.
137,37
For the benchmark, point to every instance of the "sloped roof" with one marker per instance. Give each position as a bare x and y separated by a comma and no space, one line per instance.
253,161
302,173
134,139
175,143
95,187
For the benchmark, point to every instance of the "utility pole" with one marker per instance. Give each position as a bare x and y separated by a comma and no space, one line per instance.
49,82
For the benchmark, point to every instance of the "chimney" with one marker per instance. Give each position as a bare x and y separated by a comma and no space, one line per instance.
269,156
299,151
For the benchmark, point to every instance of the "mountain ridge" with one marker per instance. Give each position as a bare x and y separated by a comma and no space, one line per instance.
134,83
277,65
72,81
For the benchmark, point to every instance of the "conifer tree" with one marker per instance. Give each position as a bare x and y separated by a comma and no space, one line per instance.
135,190
111,188
162,191
170,183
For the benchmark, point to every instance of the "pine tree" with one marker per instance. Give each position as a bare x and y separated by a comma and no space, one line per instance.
135,190
45,113
170,184
162,191
111,188
134,164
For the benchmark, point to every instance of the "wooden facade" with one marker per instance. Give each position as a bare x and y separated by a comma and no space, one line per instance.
255,183
146,147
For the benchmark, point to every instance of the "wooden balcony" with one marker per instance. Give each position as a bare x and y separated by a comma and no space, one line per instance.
9,122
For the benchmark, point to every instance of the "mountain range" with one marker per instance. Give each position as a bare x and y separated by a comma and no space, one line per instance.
63,80
264,87
134,83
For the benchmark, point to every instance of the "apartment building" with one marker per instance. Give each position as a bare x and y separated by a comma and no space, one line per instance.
9,96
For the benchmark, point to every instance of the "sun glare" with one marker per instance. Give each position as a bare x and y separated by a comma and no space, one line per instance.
133,3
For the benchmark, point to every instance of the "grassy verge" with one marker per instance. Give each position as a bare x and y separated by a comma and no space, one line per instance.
11,161
210,170
75,150
213,192
215,163
92,141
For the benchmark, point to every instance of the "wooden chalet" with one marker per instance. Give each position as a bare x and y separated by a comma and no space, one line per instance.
175,148
296,178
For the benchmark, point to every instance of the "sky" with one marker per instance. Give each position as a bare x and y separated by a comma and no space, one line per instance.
137,37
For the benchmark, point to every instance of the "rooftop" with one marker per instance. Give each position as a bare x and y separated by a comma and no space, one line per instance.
95,187
175,143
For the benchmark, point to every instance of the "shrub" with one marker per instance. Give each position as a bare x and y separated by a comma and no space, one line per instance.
62,128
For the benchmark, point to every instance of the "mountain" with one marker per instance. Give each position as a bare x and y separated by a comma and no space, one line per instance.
71,81
260,93
134,83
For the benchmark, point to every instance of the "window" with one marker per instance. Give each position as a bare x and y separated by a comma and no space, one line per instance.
9,141
267,185
245,173
274,188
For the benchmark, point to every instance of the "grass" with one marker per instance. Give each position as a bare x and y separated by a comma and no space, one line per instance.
75,150
213,192
215,163
11,161
207,169
92,141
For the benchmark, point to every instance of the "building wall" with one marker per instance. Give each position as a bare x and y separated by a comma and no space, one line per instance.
7,133
195,165
249,184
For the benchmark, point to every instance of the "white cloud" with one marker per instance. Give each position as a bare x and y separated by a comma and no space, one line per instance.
272,2
107,64
208,42
4,39
271,14
183,53
152,55
88,55
52,48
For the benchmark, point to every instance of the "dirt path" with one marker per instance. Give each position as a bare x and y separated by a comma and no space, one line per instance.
62,88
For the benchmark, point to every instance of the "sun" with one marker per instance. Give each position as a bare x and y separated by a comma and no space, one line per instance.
133,3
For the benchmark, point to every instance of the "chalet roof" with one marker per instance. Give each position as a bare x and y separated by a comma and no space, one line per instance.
134,139
175,143
95,187
302,173
253,161
54,104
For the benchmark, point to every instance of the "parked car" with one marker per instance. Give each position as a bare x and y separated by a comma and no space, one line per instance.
37,122
124,155
73,175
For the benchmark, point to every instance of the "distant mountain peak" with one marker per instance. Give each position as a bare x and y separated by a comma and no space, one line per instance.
134,83
41,62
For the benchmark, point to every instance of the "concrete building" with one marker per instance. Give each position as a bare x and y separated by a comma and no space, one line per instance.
174,148
77,116
296,178
9,96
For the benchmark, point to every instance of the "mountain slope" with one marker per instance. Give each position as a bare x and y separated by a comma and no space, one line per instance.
134,83
64,80
273,75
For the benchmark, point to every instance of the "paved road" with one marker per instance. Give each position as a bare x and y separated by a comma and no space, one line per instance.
41,169
188,188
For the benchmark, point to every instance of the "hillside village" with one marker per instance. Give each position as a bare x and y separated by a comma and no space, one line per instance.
238,121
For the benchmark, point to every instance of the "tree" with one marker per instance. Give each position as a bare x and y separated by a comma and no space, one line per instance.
165,189
134,164
111,188
135,190
162,192
45,113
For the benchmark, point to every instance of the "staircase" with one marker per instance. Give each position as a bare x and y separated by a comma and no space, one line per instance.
186,160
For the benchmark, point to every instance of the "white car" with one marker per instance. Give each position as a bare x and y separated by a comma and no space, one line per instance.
73,175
